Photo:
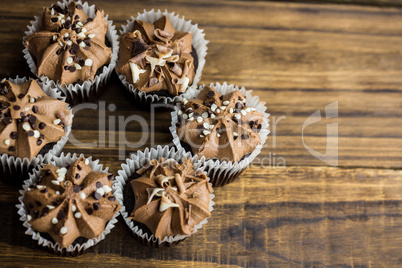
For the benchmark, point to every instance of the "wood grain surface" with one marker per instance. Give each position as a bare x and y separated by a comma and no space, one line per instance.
289,208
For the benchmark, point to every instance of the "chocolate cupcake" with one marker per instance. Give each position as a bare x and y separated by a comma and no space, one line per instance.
68,205
160,56
165,196
34,126
224,125
73,47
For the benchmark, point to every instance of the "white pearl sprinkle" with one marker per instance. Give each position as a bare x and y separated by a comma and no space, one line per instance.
223,108
32,100
205,115
252,109
36,134
62,170
55,221
190,114
199,119
100,191
82,35
40,186
211,126
226,102
179,112
60,179
77,215
52,12
213,107
107,189
7,142
206,125
248,109
26,127
237,116
191,119
212,116
51,207
77,66
63,21
206,132
66,35
29,217
61,44
56,182
54,37
91,35
69,42
88,62
218,135
86,162
56,121
80,24
231,110
69,60
243,112
82,195
202,136
82,44
84,30
63,230
235,134
185,116
26,109
73,208
218,111
57,192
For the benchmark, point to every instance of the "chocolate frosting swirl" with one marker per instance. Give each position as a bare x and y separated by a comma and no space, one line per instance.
71,202
29,119
156,57
71,46
170,198
219,126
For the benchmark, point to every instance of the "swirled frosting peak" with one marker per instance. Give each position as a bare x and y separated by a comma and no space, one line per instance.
71,202
71,46
156,57
219,126
170,198
29,119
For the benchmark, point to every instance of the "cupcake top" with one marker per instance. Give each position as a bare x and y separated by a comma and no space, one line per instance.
156,57
71,46
170,198
219,126
29,119
70,202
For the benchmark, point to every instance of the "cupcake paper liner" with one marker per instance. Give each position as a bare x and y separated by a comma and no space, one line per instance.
224,172
136,162
72,250
86,91
198,42
16,169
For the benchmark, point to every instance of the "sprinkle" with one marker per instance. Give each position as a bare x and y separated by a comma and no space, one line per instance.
252,109
226,102
202,136
36,134
91,35
82,44
107,189
243,112
212,116
61,44
206,125
218,111
66,35
80,24
73,208
32,100
211,126
56,121
29,217
69,60
206,132
218,135
190,114
26,127
235,134
77,215
60,179
51,207
191,119
40,186
7,142
62,170
77,66
86,162
231,110
88,62
69,42
213,107
84,30
63,230
52,12
63,21
185,116
199,119
82,195
55,221
57,192
223,108
54,37
26,109
204,115
248,109
237,116
100,191
179,112
56,182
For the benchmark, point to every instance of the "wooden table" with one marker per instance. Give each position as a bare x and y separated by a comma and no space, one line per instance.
295,210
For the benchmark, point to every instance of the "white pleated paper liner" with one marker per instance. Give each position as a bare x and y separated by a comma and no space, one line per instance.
76,92
15,169
72,250
135,162
198,42
224,172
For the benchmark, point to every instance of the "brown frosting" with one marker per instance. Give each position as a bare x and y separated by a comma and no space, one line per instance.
219,126
71,46
29,119
156,57
70,202
170,198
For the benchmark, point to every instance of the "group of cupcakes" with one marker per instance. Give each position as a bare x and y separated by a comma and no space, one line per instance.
69,203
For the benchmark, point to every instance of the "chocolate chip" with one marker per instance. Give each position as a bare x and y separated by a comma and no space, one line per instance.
36,214
97,195
32,119
30,133
81,62
12,99
24,118
38,203
196,106
42,136
7,120
77,176
201,127
66,67
178,124
72,69
240,122
259,128
96,206
38,142
76,17
14,135
77,189
239,105
78,6
89,211
56,231
45,211
79,40
110,177
221,97
67,24
75,47
87,40
16,107
78,30
89,20
3,90
48,172
67,166
54,19
73,27
20,96
42,125
244,136
35,109
58,52
211,94
98,184
87,47
111,198
79,167
43,191
60,215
